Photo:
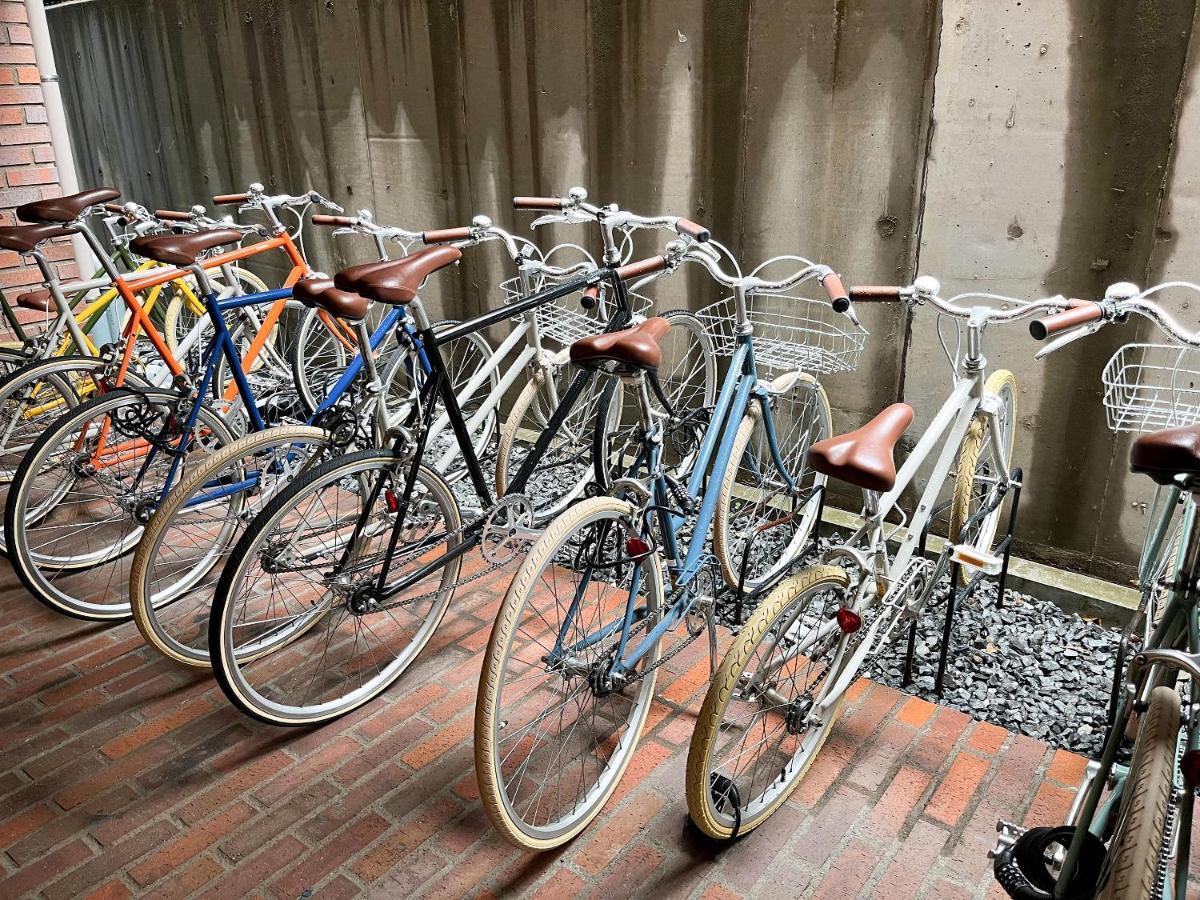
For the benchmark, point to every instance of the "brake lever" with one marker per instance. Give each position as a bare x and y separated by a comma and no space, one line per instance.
1070,337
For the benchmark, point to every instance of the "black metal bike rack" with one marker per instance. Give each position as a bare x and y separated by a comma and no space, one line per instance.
956,595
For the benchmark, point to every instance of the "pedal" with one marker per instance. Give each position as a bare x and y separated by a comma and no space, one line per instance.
1006,837
973,558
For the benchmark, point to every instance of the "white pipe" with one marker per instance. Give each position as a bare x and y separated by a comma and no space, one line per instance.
56,121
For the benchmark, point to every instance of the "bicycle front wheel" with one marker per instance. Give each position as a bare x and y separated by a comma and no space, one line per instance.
77,503
554,729
766,512
565,469
188,539
1135,854
755,737
978,474
302,631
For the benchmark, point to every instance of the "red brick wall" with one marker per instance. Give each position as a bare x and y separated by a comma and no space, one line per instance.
27,169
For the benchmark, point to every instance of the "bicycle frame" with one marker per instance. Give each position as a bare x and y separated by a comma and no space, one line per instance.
437,386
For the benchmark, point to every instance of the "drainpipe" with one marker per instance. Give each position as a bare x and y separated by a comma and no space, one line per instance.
56,121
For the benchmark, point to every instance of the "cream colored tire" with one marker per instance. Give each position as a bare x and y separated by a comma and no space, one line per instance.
706,739
147,606
492,716
1001,383
726,545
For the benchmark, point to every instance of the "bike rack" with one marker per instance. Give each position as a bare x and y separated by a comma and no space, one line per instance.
956,595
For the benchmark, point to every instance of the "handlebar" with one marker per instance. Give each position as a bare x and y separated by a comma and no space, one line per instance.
642,267
445,235
874,294
540,203
228,199
1078,313
836,291
172,215
334,221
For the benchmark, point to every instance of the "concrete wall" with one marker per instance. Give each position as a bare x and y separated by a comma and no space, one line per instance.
1019,147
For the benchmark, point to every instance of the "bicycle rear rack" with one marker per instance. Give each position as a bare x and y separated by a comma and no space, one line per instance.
955,594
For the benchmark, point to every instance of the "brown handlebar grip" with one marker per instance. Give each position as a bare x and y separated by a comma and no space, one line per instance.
537,203
116,208
868,293
444,235
226,199
332,221
172,215
1080,311
642,267
692,230
836,291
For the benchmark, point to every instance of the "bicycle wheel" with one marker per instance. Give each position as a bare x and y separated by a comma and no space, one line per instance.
36,395
688,378
551,746
976,482
183,313
1135,854
79,498
188,539
758,512
300,633
318,358
753,741
566,467
467,359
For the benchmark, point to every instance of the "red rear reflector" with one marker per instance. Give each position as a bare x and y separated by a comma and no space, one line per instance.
389,497
848,620
635,546
1190,767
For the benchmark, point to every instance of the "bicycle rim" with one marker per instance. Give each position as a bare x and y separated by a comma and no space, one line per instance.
292,644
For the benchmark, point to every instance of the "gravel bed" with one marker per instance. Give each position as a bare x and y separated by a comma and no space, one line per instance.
1027,666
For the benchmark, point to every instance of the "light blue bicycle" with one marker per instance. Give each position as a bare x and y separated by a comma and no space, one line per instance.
569,673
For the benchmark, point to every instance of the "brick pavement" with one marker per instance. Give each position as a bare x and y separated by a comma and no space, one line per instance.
122,774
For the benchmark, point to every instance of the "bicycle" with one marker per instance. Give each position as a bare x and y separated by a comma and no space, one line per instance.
1136,841
777,693
568,679
79,501
370,545
177,562
38,392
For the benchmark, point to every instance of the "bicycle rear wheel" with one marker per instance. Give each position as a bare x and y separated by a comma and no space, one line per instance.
300,632
77,503
552,737
753,740
188,539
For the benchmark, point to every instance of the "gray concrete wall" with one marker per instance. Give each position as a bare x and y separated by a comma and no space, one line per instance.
1019,147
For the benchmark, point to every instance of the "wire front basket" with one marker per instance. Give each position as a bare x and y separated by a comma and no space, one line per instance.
1148,387
565,320
790,332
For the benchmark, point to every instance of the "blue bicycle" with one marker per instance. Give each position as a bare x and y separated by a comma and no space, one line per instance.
570,669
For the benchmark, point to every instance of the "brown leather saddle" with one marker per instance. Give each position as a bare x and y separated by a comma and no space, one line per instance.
864,457
40,300
1166,455
182,249
23,238
396,281
65,209
633,350
322,294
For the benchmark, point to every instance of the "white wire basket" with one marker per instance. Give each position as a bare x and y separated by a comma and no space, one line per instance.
565,320
1148,387
790,332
